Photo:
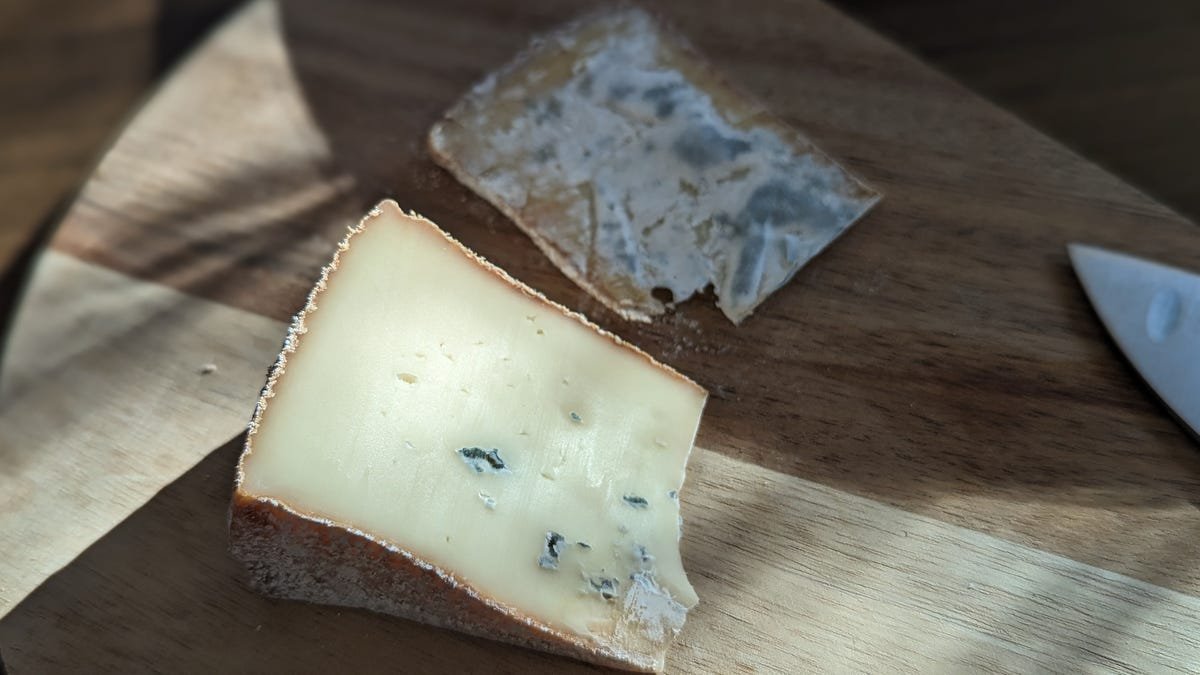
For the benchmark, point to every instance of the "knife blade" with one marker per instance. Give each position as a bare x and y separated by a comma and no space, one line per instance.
1152,312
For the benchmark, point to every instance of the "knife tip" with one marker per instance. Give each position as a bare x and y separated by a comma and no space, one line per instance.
1077,252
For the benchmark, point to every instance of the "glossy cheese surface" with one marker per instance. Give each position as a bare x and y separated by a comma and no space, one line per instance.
435,406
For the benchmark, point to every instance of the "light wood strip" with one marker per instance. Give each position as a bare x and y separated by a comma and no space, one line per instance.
793,577
807,578
113,394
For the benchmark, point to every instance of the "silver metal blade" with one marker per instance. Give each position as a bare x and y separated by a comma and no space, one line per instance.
1153,313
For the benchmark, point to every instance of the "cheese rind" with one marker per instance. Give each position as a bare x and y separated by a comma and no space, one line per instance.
299,557
427,404
635,167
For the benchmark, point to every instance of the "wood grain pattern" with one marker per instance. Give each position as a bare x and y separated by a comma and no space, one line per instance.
939,359
1120,81
107,398
61,100
793,576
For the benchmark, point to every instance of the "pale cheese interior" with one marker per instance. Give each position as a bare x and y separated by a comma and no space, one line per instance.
415,352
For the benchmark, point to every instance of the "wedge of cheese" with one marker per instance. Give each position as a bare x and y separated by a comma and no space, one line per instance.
440,442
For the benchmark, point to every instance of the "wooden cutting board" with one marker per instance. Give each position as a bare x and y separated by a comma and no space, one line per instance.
922,454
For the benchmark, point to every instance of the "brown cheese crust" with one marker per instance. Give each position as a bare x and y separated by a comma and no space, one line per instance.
292,555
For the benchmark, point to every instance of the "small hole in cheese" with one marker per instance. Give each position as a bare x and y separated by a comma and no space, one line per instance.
407,378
